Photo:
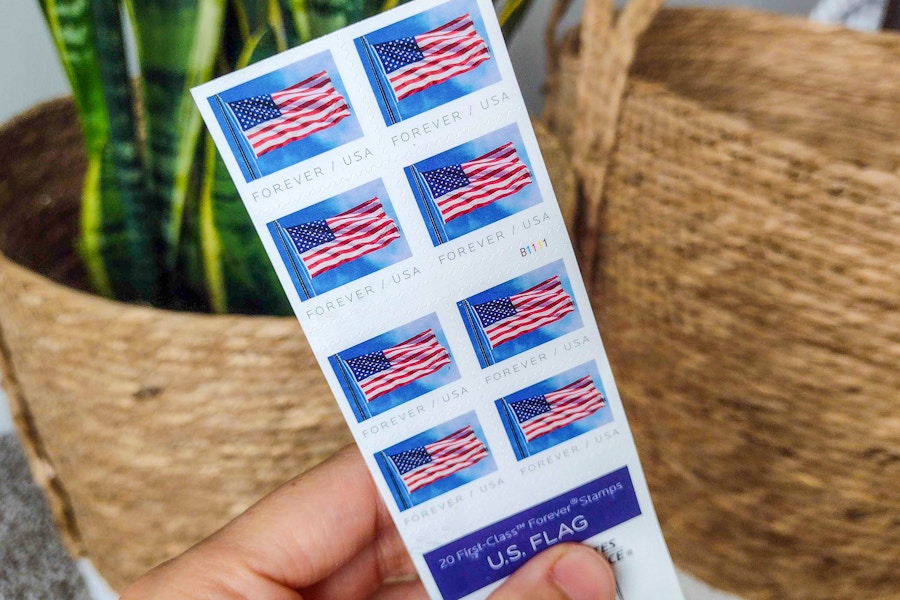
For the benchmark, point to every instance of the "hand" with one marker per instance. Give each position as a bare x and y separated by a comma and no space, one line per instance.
327,534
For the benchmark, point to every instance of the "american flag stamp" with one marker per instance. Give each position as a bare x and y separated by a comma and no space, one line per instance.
339,240
520,314
395,367
286,116
473,185
436,461
428,59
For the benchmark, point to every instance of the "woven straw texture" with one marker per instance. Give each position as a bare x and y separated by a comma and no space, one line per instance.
148,429
832,89
747,284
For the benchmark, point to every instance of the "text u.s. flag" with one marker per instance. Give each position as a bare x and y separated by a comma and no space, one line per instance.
426,464
539,415
461,188
508,317
270,121
324,244
413,64
381,372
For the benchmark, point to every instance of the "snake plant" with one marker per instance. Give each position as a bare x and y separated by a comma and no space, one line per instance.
161,221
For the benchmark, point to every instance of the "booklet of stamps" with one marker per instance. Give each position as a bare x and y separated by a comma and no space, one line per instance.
393,175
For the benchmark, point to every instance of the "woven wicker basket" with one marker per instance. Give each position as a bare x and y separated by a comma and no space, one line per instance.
740,205
147,429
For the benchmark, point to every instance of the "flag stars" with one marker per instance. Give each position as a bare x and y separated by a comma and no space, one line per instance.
309,235
366,365
398,53
530,408
494,310
445,180
252,111
411,459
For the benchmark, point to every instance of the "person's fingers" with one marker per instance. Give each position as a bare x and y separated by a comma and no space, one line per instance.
407,590
295,537
564,572
386,557
185,578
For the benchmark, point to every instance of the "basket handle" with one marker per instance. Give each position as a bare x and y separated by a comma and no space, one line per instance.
608,42
552,50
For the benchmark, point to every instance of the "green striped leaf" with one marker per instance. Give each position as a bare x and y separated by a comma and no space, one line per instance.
238,274
72,29
132,263
113,246
178,42
254,27
178,202
240,278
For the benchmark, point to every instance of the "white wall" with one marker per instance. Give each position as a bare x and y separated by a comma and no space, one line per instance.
29,70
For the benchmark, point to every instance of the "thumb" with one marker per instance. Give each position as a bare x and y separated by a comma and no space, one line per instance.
564,572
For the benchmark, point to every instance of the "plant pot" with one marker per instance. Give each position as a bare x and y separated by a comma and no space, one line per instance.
148,429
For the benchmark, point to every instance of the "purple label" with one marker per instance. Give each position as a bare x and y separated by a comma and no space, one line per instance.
490,554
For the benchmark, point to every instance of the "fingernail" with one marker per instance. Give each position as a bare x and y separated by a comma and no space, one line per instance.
583,575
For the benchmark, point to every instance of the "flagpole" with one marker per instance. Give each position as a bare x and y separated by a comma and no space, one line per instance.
486,357
388,101
290,255
515,429
362,408
238,141
430,207
396,483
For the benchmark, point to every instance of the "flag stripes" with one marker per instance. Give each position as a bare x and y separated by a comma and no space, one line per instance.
507,318
460,189
423,465
539,415
325,244
270,121
414,64
381,372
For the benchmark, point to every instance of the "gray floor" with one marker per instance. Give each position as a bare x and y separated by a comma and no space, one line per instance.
33,563
39,569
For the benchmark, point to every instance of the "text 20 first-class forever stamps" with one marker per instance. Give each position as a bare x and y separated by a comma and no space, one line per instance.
394,178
